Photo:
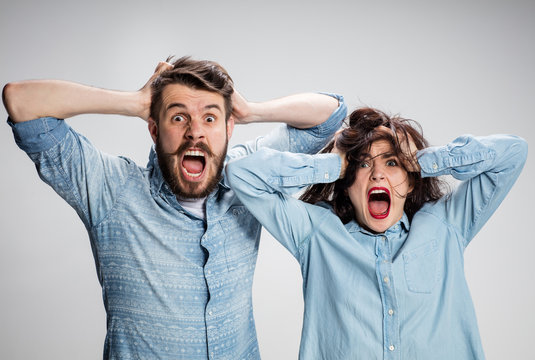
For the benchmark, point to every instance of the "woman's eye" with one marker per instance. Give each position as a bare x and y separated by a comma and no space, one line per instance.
364,165
179,118
210,119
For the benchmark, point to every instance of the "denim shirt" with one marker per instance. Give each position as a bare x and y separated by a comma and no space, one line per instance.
401,294
174,286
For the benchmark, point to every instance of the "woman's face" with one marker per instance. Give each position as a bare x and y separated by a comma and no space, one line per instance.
380,188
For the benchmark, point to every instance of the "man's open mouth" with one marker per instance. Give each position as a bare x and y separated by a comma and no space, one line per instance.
193,163
379,202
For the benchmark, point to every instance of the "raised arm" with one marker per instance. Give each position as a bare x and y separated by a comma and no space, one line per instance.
32,99
487,166
311,120
300,110
264,182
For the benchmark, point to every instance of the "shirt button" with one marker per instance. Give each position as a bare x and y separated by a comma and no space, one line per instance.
210,313
435,166
391,348
386,279
209,272
326,176
390,312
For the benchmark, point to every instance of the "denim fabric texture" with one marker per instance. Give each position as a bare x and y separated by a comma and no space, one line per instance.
401,294
174,286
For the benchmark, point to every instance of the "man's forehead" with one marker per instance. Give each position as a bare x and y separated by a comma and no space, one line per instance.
191,99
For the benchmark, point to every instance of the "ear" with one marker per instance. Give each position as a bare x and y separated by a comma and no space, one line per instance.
230,126
153,129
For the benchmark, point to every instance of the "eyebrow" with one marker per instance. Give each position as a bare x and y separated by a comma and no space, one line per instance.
385,155
180,105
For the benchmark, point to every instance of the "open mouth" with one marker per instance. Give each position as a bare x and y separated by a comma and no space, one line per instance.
193,163
379,202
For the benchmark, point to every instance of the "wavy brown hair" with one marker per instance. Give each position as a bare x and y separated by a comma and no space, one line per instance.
196,74
355,141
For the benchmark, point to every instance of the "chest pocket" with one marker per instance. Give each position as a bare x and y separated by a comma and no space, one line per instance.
421,268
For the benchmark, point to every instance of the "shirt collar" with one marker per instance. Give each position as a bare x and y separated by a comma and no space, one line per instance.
353,226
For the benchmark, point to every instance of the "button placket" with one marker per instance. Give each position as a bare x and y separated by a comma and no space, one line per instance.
385,276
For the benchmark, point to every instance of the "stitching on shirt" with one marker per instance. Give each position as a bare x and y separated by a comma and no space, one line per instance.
447,224
486,201
68,155
120,194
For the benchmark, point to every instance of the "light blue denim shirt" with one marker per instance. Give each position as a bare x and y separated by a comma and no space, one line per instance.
398,295
174,286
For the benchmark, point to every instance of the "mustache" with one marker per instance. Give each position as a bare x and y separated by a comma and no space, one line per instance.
190,144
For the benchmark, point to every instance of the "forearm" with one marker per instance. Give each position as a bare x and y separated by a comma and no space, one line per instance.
27,100
264,181
300,110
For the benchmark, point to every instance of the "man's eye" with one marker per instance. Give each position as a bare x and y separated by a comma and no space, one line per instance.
179,118
210,119
391,163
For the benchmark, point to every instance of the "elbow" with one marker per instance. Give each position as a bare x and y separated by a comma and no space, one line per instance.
10,96
522,149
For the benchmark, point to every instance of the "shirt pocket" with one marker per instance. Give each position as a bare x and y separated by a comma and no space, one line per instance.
421,268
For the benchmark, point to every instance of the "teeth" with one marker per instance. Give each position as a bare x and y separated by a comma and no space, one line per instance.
194,153
192,175
378,192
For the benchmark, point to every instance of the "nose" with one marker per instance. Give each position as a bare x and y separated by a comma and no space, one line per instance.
377,173
194,131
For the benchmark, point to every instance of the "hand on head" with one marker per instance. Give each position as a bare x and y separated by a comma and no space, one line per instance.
337,150
145,91
240,108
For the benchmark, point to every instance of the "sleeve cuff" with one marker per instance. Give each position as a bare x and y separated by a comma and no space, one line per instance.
334,121
327,168
38,135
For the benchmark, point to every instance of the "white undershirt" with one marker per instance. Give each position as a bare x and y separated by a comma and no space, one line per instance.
194,206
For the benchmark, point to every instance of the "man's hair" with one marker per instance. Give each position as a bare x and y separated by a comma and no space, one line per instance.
355,141
196,74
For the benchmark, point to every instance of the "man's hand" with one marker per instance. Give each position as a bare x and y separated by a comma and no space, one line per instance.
241,111
145,92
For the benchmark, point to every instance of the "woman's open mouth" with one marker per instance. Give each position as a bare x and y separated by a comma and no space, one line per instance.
379,202
193,164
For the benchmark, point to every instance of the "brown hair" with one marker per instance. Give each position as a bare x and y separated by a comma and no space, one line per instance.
197,74
355,141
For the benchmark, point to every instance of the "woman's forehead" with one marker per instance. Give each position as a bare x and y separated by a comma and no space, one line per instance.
380,147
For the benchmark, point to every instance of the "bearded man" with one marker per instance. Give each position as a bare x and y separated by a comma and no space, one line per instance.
175,249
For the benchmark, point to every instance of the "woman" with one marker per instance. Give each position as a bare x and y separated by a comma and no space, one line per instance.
380,247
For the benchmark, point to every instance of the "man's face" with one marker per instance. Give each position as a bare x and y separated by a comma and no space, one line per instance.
380,188
191,139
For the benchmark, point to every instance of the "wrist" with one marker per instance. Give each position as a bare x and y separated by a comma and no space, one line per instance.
136,104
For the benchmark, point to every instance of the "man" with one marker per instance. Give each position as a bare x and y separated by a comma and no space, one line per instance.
175,249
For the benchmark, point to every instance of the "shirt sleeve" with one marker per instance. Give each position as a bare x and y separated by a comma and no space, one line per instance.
89,180
264,182
487,166
288,138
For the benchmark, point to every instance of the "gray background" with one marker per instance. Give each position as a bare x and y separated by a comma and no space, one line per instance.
456,67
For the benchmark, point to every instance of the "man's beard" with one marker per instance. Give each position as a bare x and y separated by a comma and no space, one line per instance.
170,173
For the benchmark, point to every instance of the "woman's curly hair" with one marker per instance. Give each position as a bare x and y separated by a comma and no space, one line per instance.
355,141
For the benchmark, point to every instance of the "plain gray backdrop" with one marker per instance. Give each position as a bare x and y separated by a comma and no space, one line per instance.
456,67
